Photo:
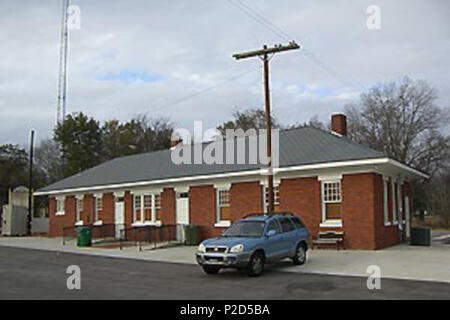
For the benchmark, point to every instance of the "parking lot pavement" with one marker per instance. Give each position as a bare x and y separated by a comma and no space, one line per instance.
399,262
37,274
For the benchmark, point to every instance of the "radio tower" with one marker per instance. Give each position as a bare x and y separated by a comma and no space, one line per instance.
62,77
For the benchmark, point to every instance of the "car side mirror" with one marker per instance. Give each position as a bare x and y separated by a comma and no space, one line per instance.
271,233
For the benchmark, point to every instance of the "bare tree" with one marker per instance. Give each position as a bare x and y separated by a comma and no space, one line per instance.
247,119
402,120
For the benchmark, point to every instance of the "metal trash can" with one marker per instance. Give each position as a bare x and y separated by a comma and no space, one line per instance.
84,236
420,236
191,234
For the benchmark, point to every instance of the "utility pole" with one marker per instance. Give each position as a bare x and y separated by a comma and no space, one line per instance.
263,54
30,185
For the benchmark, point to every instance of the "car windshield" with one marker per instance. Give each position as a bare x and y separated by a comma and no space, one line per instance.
245,229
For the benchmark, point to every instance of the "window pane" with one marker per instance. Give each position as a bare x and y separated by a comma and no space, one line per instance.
333,211
225,213
286,225
157,201
158,214
274,226
147,202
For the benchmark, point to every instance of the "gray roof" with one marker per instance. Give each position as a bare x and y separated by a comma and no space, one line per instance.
305,145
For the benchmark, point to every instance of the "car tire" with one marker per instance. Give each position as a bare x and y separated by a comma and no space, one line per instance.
211,269
256,265
300,255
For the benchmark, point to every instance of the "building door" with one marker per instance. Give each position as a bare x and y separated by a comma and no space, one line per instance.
407,217
182,213
119,216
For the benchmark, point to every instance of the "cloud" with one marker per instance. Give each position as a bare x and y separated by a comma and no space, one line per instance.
128,77
135,56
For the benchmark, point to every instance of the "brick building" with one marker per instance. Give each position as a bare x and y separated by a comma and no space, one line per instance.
332,183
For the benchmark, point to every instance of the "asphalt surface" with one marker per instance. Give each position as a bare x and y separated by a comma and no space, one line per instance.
36,274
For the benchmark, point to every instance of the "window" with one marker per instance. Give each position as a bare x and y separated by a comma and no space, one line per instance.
137,208
147,207
274,225
79,210
400,203
286,225
223,205
98,207
386,202
297,222
60,206
158,207
394,202
276,198
331,201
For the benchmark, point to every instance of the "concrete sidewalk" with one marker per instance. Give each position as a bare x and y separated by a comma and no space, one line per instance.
399,262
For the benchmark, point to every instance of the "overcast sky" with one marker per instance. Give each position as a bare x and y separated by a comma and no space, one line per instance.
153,57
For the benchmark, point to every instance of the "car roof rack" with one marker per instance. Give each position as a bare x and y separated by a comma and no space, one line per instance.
284,213
270,214
254,215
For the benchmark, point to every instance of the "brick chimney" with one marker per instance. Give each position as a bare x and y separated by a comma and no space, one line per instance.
339,123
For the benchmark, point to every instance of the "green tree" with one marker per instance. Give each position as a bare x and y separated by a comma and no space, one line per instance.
13,169
80,138
139,135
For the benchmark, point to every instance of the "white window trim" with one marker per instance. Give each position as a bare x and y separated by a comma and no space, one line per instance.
221,223
387,223
98,223
142,221
96,210
394,204
79,223
400,216
331,223
78,209
62,200
275,203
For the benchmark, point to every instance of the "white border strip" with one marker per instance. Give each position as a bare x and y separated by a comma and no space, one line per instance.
238,174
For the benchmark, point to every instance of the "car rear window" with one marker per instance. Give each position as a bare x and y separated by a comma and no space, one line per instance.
286,225
297,222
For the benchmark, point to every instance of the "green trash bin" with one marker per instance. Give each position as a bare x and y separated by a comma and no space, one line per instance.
191,235
84,236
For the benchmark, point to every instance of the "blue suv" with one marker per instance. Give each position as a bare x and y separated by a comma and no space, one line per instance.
253,241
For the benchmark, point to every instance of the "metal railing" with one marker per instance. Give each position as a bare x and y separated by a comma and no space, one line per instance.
99,232
150,235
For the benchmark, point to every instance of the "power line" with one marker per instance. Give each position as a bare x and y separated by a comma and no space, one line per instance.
285,36
193,95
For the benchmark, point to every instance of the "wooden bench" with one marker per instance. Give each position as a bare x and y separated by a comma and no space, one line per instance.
329,237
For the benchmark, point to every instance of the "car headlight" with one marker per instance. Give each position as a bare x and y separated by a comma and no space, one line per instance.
201,247
237,248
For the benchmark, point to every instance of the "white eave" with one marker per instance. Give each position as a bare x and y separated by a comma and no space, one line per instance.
411,172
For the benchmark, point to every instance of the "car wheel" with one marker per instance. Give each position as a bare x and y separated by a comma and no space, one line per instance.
300,255
256,265
211,269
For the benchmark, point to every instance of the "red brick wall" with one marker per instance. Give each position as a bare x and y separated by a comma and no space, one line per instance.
128,208
107,213
168,205
301,196
358,210
202,210
57,223
245,198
